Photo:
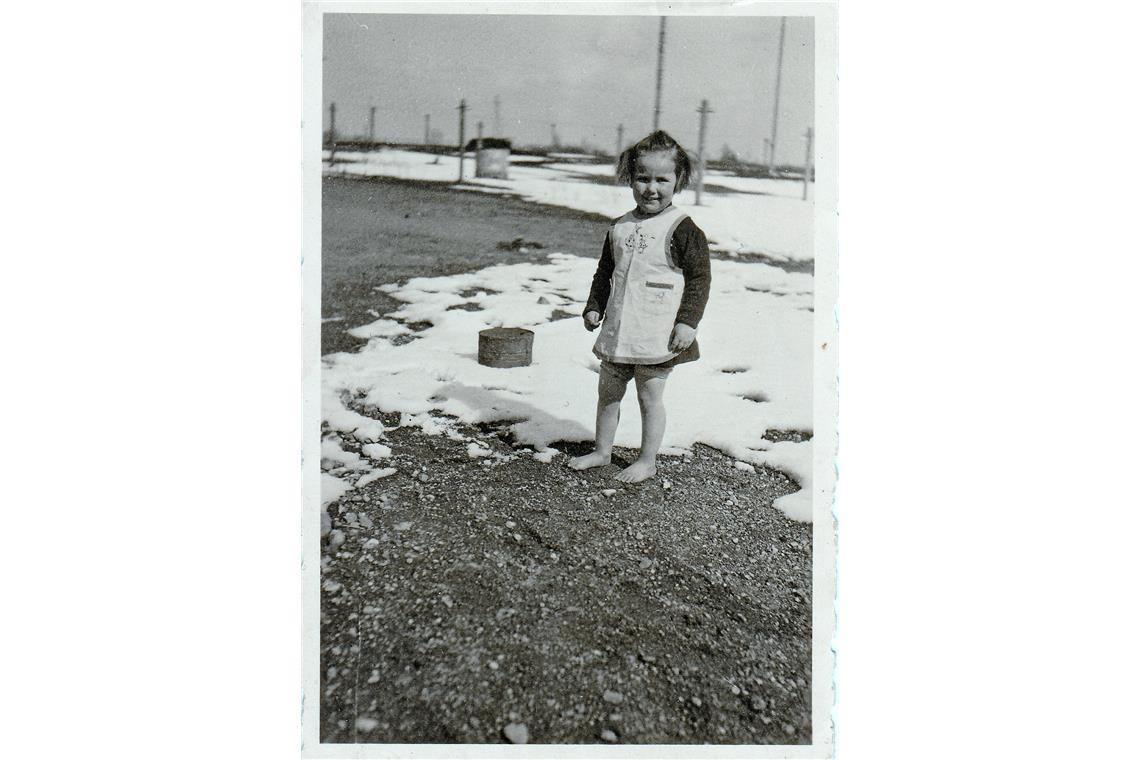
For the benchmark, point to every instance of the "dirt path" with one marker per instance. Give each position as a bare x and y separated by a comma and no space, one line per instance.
460,598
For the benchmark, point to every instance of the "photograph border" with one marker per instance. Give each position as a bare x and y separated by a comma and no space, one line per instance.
825,391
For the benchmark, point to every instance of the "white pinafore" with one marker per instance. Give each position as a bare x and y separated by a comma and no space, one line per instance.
645,290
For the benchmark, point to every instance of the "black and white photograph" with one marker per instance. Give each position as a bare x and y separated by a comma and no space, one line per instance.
570,393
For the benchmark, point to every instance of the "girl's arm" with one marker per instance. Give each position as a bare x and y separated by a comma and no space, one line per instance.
691,251
600,288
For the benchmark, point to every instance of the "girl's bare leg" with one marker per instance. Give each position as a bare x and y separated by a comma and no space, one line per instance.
651,399
610,392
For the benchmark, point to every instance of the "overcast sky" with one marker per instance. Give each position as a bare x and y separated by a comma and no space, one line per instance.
586,74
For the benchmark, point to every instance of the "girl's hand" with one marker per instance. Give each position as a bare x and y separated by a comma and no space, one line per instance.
592,320
682,337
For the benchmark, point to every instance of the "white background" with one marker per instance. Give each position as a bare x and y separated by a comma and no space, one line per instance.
151,311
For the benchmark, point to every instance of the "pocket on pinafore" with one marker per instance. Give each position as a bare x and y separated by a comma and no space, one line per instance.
658,297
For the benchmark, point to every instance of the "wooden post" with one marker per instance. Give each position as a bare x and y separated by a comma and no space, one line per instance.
768,153
478,145
332,132
620,142
462,117
372,124
776,105
498,124
807,163
704,111
660,70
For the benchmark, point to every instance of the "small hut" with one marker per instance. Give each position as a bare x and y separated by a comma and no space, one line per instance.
492,157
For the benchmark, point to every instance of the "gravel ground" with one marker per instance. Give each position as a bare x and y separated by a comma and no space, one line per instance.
467,597
519,601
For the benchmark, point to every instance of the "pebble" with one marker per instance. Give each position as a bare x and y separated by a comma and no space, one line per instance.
493,665
403,526
366,724
666,485
326,524
510,524
447,601
609,492
375,677
336,538
696,701
371,543
735,689
608,736
516,733
613,697
789,729
423,477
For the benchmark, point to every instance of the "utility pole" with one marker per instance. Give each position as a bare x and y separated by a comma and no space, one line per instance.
372,124
554,135
620,143
498,124
478,147
704,111
768,153
660,70
332,132
462,117
776,106
807,163
427,129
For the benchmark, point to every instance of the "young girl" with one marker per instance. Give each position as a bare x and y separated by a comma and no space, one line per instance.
651,287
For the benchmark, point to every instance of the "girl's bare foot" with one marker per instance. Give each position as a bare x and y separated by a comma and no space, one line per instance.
593,459
637,472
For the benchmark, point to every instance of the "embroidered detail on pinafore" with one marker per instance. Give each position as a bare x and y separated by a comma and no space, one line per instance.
637,241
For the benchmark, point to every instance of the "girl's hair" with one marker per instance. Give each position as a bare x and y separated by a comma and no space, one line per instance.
658,141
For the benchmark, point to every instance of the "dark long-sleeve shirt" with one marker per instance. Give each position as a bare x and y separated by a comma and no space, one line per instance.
689,250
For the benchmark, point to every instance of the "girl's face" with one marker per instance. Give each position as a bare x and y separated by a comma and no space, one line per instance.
654,180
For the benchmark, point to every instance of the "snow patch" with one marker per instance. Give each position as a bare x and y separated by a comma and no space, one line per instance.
795,459
475,451
375,475
755,324
381,328
376,450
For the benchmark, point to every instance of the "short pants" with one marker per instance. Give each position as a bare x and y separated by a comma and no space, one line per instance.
622,373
